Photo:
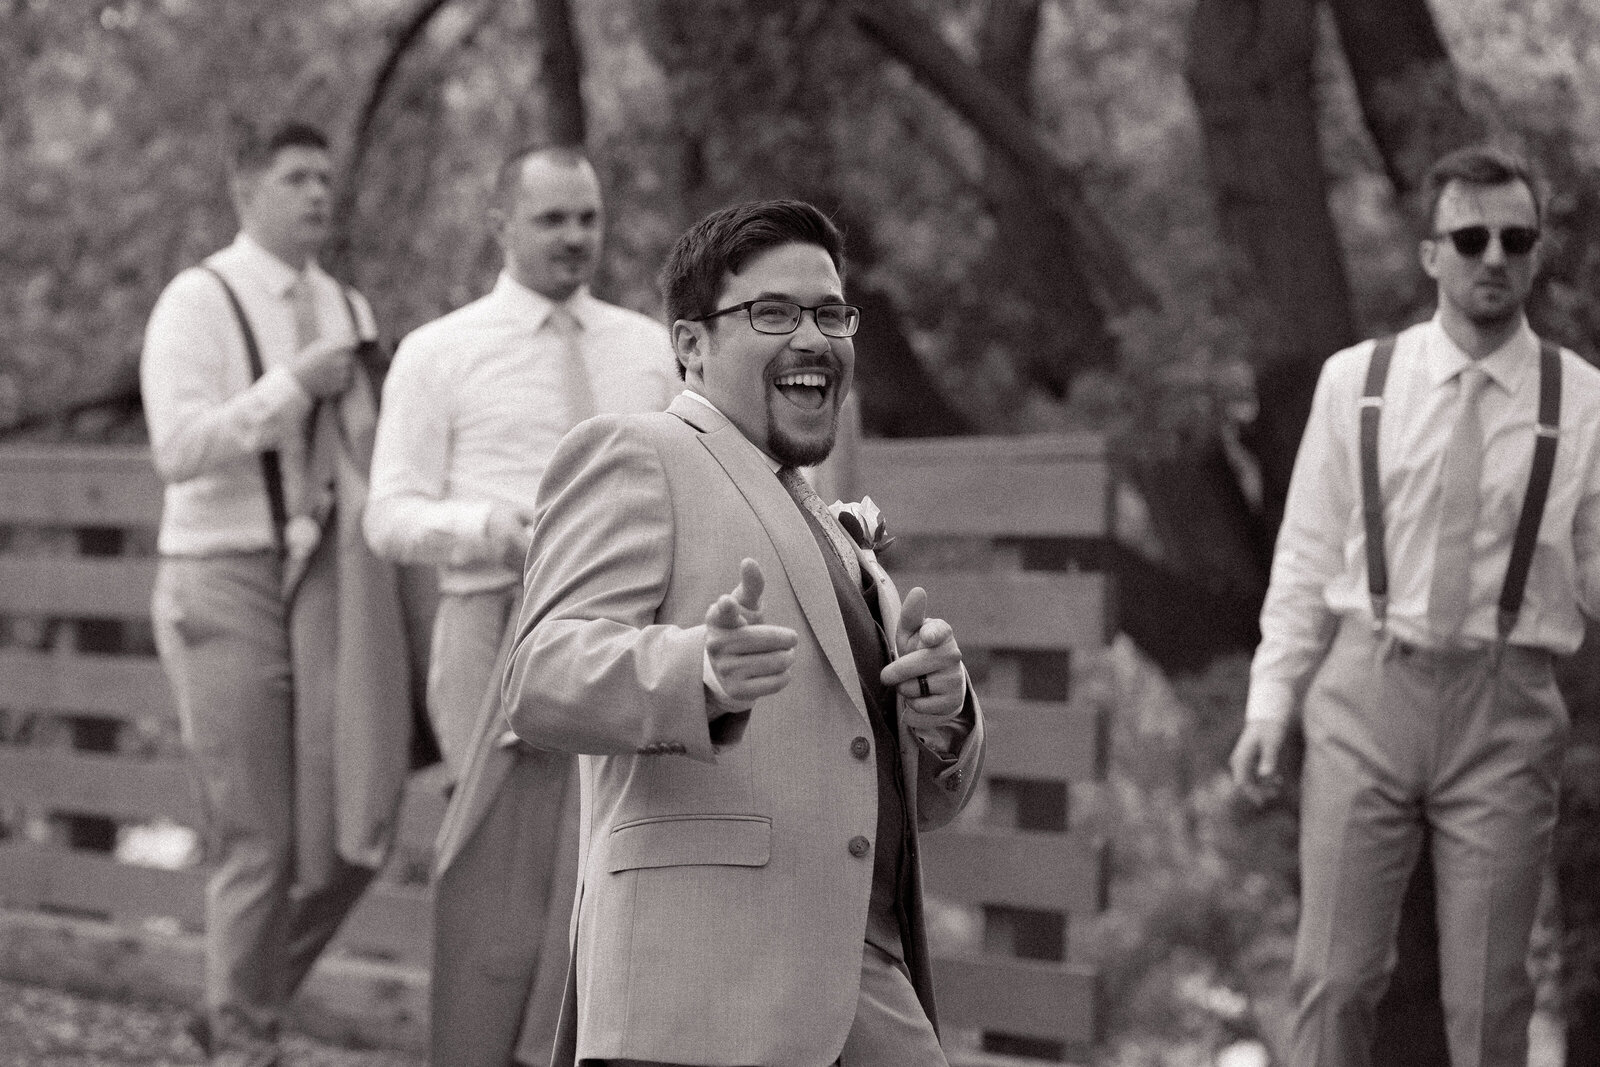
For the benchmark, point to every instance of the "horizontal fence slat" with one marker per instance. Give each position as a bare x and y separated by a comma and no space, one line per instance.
391,921
79,485
1043,740
40,876
1024,998
1060,872
113,587
124,787
1027,610
1053,485
122,687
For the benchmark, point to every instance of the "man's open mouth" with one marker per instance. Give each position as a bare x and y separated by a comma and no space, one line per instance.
807,389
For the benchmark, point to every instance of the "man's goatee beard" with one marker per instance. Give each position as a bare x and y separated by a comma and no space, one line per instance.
793,453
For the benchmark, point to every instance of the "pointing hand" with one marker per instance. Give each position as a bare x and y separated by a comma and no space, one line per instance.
927,673
750,658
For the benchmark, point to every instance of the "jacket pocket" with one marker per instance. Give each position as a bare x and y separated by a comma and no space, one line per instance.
690,840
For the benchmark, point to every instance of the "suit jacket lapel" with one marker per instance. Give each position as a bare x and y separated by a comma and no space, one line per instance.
803,566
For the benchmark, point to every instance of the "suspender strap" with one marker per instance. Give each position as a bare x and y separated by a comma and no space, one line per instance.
271,464
1371,489
1547,434
1544,461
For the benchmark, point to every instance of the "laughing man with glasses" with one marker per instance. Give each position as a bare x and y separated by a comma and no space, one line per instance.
1424,580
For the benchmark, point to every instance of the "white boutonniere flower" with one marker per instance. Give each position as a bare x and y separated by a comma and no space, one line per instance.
870,531
864,523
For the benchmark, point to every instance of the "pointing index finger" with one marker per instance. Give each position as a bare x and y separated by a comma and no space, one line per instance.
751,584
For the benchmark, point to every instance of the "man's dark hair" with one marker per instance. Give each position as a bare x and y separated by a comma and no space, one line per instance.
1481,164
253,153
724,241
508,179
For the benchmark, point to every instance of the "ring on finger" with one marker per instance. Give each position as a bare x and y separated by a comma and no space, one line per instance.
922,686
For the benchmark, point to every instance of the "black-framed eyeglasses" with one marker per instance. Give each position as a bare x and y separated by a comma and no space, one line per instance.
1473,241
783,316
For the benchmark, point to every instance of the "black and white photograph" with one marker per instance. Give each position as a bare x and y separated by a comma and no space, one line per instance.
799,533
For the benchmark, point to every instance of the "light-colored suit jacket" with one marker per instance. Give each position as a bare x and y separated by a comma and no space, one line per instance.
721,909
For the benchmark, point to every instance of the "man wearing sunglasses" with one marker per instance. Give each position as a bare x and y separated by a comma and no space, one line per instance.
756,764
1440,542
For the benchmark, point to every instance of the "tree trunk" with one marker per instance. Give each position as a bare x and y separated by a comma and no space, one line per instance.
1250,72
1409,93
1060,328
560,72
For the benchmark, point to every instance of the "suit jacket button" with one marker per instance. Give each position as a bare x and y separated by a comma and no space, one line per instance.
859,846
861,748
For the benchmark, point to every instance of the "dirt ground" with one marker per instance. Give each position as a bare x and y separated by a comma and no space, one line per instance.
48,1028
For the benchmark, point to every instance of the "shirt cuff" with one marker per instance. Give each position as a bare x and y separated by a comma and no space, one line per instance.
281,393
714,684
1270,701
945,742
467,523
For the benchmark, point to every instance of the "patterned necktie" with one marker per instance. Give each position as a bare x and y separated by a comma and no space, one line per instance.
577,391
1459,476
807,498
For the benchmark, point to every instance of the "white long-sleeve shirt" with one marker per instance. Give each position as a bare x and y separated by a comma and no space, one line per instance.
1319,571
208,422
473,408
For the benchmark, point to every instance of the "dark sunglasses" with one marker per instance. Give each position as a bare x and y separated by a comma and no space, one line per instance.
1473,241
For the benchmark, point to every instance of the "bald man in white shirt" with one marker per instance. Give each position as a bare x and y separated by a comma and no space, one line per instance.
1422,583
474,406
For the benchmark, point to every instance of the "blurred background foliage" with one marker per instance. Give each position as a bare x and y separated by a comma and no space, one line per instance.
1148,218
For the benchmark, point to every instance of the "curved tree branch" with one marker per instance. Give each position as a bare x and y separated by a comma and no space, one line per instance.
904,32
401,40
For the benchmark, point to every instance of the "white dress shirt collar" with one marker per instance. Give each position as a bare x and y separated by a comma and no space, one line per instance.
1507,366
536,305
265,269
692,395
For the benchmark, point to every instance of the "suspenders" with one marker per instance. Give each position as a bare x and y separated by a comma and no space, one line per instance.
1544,458
271,462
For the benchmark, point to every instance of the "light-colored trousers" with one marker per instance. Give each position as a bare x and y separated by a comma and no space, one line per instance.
467,629
502,909
890,1027
222,632
1399,738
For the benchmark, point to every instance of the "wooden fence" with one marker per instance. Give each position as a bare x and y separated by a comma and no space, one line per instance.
1007,534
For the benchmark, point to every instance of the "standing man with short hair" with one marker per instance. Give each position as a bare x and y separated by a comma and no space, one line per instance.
280,633
473,408
756,765
1442,536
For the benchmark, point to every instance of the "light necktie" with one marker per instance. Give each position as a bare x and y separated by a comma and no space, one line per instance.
296,478
807,497
577,390
304,306
1459,476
